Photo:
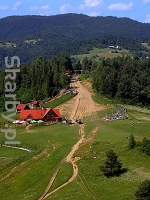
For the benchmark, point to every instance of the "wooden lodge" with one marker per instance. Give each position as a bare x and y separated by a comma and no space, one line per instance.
48,115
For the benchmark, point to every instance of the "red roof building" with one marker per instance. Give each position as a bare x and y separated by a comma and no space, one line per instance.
22,107
68,72
46,114
35,104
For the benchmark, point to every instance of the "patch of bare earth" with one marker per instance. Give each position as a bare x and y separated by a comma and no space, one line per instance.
82,104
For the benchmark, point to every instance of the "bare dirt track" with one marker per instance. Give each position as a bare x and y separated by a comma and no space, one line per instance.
83,104
80,106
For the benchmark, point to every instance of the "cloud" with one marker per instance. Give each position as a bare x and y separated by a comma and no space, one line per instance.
81,7
94,14
33,8
44,10
45,7
16,5
147,20
3,7
64,8
90,4
146,1
120,6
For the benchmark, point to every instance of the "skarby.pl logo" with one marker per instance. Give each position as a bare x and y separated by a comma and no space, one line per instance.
12,67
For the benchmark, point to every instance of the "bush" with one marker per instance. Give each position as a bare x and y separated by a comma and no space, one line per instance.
143,192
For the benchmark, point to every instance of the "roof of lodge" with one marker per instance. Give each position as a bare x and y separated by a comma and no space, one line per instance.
38,114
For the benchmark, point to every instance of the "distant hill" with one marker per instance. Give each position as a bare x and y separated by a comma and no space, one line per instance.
32,36
77,26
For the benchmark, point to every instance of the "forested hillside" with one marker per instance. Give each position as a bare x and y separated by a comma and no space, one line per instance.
40,79
77,26
32,36
49,48
124,78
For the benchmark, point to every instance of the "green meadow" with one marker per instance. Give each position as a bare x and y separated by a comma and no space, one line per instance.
26,175
7,45
29,173
91,183
146,45
97,53
58,101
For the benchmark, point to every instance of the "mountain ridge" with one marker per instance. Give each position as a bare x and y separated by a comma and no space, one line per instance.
13,27
32,36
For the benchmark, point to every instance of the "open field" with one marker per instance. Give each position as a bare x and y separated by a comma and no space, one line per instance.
58,101
97,53
146,45
7,45
31,172
65,159
32,41
91,183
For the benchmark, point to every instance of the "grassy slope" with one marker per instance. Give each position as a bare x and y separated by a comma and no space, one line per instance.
33,172
97,53
58,101
111,135
52,143
146,45
7,45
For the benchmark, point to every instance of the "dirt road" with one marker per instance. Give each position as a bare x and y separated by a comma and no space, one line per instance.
82,105
85,104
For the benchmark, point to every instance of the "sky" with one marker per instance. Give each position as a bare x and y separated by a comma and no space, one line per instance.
138,10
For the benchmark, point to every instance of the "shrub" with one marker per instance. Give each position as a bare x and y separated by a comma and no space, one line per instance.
143,192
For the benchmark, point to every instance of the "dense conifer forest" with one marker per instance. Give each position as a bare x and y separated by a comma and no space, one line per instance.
124,78
40,79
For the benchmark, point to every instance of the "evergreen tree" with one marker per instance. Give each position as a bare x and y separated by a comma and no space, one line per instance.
112,166
132,142
146,146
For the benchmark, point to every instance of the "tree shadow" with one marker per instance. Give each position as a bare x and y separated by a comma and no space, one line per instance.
117,174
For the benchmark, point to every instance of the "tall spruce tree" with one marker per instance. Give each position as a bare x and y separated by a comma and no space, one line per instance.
111,167
132,142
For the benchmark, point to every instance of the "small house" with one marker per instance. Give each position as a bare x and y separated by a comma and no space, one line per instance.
35,104
22,107
68,72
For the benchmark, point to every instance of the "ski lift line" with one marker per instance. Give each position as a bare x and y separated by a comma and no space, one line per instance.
120,110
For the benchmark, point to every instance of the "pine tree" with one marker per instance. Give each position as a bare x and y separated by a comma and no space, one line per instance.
112,166
132,142
146,146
